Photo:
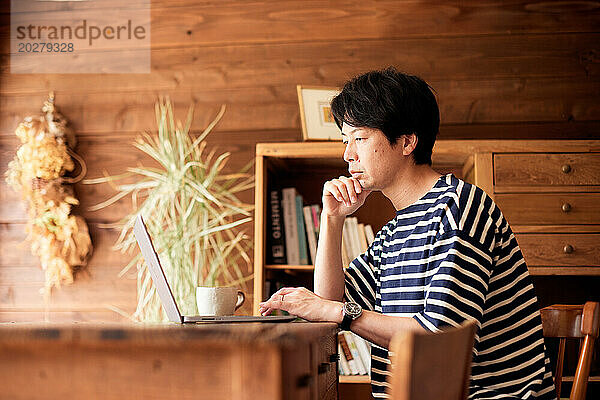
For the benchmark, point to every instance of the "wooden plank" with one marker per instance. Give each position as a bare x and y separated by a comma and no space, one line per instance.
208,23
286,267
521,131
355,379
248,109
114,361
443,148
62,316
483,173
276,107
96,287
99,153
585,271
547,189
87,294
15,253
260,228
234,66
118,370
555,228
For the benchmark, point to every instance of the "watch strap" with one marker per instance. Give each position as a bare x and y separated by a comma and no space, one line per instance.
345,325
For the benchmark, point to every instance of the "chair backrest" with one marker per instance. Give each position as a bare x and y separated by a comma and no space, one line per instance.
427,366
573,321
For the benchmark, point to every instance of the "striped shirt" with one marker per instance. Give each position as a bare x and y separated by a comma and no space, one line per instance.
448,257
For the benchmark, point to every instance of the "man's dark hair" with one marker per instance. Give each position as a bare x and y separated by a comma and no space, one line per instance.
393,102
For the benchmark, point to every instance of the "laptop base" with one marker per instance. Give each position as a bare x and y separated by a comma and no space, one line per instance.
198,319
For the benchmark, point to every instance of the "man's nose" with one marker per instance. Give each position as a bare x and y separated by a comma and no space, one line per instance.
349,153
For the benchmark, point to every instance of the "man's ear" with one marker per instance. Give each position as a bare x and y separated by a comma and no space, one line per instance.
409,143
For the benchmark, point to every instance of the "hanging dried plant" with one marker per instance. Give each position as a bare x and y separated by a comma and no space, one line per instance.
191,211
60,239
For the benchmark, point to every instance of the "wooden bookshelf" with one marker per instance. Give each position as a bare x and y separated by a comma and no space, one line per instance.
543,236
355,379
291,267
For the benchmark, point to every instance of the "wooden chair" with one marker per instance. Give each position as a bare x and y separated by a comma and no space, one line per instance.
427,366
568,321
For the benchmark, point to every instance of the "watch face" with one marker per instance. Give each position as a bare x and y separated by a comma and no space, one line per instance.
352,309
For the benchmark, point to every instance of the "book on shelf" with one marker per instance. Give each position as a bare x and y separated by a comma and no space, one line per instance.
364,348
290,225
362,238
343,364
316,215
347,354
345,258
302,245
355,354
356,236
293,232
360,363
276,235
348,240
369,234
311,235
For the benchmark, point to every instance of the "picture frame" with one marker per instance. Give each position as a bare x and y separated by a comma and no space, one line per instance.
315,113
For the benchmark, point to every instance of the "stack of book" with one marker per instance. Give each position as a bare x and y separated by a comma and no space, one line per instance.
356,237
355,354
293,231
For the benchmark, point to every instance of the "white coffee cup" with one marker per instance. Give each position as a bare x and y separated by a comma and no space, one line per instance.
218,300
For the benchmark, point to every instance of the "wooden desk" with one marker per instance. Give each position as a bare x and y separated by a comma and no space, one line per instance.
126,361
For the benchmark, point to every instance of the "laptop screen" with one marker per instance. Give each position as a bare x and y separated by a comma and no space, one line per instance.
156,271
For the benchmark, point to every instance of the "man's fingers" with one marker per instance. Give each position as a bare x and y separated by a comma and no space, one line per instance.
283,291
351,188
343,189
357,188
266,311
333,190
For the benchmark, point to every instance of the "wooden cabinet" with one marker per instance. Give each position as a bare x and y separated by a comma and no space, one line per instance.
552,201
549,191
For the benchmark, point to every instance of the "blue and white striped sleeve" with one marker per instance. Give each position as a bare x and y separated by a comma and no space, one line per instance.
456,289
361,280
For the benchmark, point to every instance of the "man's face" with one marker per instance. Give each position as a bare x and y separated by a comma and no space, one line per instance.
370,157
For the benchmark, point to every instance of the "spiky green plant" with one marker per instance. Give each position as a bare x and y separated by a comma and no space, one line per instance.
191,211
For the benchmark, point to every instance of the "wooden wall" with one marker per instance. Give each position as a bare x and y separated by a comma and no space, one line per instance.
513,69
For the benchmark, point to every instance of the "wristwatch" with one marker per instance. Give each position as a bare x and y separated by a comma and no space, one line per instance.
351,312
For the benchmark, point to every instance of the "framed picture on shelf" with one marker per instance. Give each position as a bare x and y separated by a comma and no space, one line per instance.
315,113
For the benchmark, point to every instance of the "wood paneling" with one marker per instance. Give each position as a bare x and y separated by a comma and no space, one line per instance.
519,69
98,286
482,57
276,107
101,158
187,23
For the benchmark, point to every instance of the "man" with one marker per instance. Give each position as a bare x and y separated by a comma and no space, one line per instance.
447,256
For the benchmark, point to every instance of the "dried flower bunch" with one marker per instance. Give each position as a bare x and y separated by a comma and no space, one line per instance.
192,213
60,239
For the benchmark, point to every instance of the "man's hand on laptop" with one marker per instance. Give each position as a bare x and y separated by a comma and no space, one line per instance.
303,303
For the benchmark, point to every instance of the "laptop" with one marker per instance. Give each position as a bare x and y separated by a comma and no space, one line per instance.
166,296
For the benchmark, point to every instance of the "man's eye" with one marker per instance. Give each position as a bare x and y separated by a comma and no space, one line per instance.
358,139
345,143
